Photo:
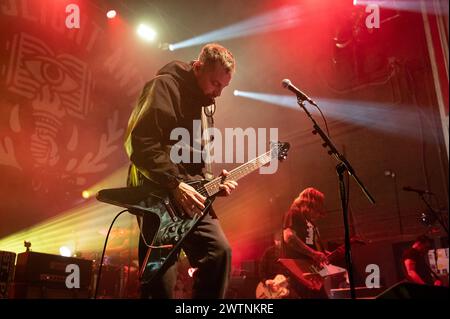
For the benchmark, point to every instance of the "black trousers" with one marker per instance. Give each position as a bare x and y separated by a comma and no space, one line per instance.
207,249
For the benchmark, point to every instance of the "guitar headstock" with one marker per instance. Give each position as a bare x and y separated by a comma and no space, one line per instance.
279,150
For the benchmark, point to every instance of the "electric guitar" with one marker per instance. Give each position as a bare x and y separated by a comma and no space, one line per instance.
311,274
169,224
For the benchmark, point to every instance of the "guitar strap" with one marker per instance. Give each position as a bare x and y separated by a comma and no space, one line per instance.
318,241
208,138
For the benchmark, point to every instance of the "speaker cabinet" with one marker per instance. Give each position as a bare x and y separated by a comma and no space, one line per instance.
40,275
7,261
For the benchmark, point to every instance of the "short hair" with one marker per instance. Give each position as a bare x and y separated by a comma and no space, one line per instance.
308,200
424,240
213,53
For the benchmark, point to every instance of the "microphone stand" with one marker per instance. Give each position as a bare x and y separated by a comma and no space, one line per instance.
434,213
342,167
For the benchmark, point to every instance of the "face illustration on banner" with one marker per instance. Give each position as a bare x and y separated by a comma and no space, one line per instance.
57,87
55,91
68,84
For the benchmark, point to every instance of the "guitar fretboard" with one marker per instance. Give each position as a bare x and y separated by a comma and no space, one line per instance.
212,187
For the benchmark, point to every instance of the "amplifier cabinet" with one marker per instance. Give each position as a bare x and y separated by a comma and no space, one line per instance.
7,261
40,275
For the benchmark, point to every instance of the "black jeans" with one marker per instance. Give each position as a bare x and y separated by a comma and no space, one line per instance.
208,250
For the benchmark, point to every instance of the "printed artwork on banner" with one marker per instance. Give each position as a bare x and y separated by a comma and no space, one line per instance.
65,96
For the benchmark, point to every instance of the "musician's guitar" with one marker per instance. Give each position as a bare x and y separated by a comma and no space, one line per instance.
169,225
311,274
305,271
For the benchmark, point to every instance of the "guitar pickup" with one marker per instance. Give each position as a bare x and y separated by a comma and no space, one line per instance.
170,210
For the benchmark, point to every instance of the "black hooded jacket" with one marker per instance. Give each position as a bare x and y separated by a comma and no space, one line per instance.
170,100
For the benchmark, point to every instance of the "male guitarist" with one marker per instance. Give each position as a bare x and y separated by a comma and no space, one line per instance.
174,99
301,237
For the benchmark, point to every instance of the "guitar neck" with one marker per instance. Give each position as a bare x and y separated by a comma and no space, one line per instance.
212,187
337,253
340,251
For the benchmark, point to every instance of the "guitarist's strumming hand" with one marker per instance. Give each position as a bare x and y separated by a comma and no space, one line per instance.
320,257
187,198
227,186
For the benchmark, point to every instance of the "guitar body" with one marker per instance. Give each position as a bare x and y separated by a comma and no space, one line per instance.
305,272
166,227
312,275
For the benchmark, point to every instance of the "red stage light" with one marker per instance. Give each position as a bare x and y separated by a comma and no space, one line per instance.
111,14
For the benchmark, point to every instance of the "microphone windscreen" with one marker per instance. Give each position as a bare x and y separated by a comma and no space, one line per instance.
285,83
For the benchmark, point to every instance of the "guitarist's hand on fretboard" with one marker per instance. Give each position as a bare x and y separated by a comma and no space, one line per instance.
226,187
189,200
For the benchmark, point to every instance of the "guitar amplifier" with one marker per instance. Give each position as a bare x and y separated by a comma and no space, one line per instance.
40,275
7,261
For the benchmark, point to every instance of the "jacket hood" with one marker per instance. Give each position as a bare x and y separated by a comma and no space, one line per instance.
183,73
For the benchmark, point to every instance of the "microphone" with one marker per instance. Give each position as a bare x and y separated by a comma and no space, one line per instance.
287,84
418,191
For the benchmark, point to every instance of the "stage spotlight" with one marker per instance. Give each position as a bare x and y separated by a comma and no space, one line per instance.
277,99
400,120
427,218
282,18
191,272
65,251
111,14
165,46
146,33
86,194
